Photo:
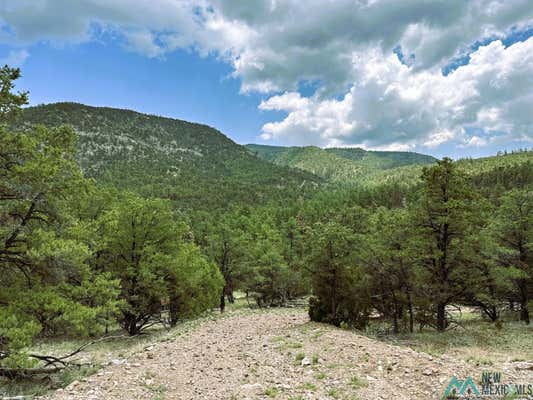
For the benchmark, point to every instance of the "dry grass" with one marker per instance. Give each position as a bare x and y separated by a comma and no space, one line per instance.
477,341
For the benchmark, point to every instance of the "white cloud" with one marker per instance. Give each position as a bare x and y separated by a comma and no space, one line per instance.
15,58
392,103
476,141
365,95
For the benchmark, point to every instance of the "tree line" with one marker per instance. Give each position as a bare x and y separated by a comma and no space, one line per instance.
407,261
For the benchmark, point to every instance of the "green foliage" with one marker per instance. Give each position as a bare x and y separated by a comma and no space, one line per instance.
10,102
339,281
175,217
338,164
149,251
196,166
46,281
447,217
513,228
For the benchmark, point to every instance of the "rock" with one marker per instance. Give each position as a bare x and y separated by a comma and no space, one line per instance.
523,365
252,389
306,361
116,361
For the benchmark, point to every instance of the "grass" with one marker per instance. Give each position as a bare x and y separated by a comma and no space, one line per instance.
101,353
30,388
299,357
271,392
477,341
357,382
320,376
309,386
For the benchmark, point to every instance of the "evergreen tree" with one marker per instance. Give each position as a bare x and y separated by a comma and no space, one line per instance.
340,284
514,229
446,219
48,287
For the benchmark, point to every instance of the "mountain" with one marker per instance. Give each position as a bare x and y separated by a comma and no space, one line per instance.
491,175
192,164
339,164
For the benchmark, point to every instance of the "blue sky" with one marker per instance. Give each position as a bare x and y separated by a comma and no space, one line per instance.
444,78
181,85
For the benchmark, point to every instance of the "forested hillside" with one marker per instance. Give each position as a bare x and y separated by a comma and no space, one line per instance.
179,218
191,164
344,165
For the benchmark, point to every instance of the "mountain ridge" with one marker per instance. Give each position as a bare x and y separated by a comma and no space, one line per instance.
190,163
338,164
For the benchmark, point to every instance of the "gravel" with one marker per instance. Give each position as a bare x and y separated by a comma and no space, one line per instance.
276,354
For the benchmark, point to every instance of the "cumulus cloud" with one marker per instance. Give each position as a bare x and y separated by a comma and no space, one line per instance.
392,104
366,95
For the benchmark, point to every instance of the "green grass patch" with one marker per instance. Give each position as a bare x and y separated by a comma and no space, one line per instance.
357,382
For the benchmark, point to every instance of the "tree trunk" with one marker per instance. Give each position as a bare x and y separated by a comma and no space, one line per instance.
441,317
173,311
410,308
222,302
130,324
231,297
524,300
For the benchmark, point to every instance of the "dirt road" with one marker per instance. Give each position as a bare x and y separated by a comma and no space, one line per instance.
273,354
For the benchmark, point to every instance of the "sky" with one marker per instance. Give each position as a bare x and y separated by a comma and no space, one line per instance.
441,77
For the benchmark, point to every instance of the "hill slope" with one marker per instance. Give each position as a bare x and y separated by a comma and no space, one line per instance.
505,170
339,164
193,164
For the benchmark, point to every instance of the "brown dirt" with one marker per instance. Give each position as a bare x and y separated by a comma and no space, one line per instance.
259,356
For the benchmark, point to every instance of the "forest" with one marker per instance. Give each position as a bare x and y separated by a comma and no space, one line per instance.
85,248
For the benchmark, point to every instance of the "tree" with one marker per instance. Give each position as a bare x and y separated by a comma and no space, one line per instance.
514,229
446,219
152,255
266,274
340,293
47,284
390,261
10,103
224,243
193,283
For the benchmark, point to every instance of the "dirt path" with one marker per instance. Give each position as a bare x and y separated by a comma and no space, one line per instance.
275,354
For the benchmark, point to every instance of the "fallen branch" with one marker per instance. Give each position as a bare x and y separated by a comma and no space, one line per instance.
53,364
13,373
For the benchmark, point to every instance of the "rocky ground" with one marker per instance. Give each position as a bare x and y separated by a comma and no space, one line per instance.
277,354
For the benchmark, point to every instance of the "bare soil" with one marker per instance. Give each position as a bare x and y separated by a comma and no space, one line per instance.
277,354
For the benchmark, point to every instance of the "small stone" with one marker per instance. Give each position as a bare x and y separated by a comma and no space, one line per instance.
252,389
306,361
523,365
